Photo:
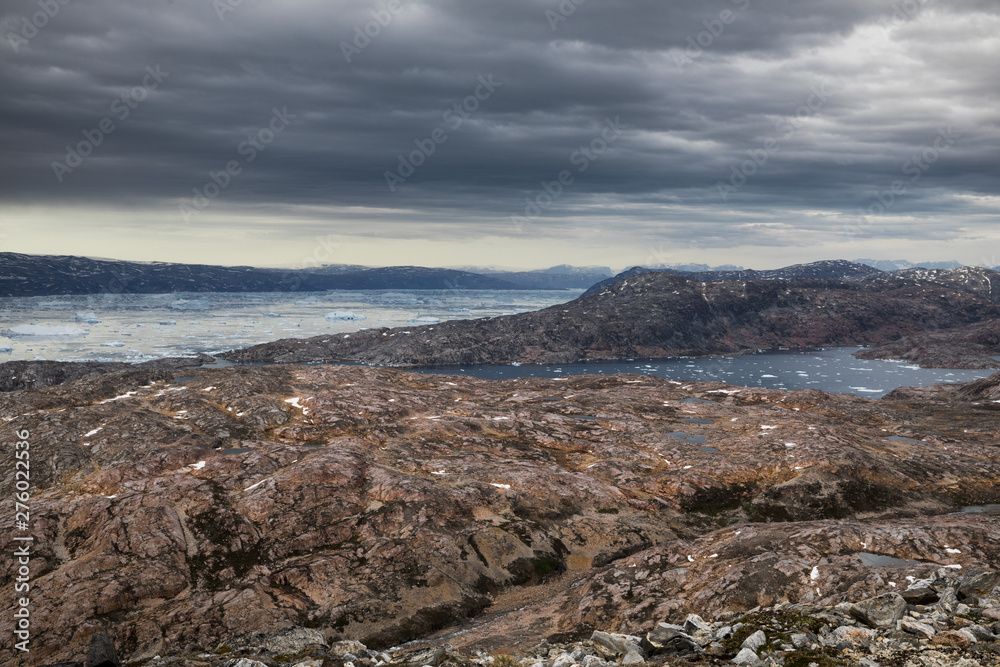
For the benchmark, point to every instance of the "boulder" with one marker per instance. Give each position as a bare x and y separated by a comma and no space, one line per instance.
917,628
746,656
754,641
667,639
881,611
694,624
954,638
612,645
847,636
977,583
633,658
348,646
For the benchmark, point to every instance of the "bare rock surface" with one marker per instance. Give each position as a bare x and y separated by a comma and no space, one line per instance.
379,506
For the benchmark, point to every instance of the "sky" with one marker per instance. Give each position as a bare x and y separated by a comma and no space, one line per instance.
514,133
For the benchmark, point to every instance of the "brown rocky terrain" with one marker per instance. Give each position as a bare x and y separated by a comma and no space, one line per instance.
384,506
664,315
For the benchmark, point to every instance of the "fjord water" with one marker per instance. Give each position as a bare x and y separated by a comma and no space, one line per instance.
139,327
828,369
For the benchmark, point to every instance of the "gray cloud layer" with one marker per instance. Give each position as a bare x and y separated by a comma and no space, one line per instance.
838,96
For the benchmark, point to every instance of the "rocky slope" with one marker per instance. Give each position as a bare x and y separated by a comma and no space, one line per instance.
661,315
944,620
383,506
970,346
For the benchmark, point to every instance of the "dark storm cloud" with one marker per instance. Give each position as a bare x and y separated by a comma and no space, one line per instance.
701,86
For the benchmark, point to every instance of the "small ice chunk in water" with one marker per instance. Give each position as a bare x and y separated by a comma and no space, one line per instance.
89,318
344,316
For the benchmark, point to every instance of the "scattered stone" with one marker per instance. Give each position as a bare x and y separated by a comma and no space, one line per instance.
955,638
851,637
754,641
695,624
347,647
746,656
633,658
917,628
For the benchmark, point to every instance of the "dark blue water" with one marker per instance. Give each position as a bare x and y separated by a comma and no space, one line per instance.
831,369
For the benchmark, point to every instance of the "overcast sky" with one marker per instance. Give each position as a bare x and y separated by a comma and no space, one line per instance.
752,132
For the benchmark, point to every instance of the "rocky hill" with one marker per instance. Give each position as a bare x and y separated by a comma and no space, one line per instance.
181,512
37,275
661,315
837,269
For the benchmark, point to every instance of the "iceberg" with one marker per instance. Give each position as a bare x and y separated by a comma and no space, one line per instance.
344,316
89,318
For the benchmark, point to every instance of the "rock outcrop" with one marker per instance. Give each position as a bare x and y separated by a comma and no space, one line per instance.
381,506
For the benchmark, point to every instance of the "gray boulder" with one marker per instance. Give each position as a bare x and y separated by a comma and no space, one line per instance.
881,611
979,584
611,645
666,639
746,657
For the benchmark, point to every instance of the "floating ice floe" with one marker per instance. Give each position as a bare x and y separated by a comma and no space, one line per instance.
112,343
344,316
89,318
41,330
426,319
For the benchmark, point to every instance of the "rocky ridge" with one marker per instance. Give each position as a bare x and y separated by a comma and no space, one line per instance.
665,315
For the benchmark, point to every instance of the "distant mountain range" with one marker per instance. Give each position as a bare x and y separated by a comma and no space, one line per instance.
43,275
